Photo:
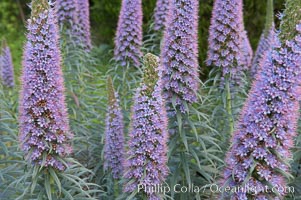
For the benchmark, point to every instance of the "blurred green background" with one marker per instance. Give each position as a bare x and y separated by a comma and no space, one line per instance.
104,16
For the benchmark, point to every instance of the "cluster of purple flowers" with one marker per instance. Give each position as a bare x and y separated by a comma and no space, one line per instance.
226,38
6,67
161,14
128,40
84,22
44,127
147,156
74,15
247,52
264,46
261,144
114,138
67,12
179,55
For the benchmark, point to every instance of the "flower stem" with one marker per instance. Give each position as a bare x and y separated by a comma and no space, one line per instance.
229,105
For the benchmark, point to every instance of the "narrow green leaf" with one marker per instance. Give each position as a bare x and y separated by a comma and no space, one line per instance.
67,194
56,179
193,129
184,163
48,187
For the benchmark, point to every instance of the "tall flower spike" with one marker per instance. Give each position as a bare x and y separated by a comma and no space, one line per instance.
265,41
261,146
225,37
247,52
147,156
128,40
84,22
67,14
44,127
264,46
246,49
161,14
179,55
114,134
7,68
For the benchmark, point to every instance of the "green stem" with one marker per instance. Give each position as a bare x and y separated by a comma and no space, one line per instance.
229,106
116,188
123,86
269,21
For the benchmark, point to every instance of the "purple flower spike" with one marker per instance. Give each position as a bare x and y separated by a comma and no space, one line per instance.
161,14
84,22
147,156
128,40
264,46
179,55
67,13
261,145
6,67
44,127
225,38
114,135
247,52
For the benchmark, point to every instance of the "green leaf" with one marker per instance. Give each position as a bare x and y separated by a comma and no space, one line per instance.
48,187
193,129
56,179
34,178
184,163
67,194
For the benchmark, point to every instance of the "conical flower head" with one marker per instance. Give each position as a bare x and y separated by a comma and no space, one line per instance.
6,66
179,55
246,51
161,14
44,129
114,134
67,13
260,151
147,156
264,46
225,37
128,40
84,22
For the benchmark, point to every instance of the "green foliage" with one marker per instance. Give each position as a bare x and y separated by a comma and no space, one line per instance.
12,28
104,17
86,99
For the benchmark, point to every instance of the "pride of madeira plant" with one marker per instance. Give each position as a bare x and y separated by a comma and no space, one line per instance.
6,66
114,135
225,38
44,128
179,65
161,14
147,156
261,146
128,40
179,56
45,136
67,13
71,31
227,51
84,23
